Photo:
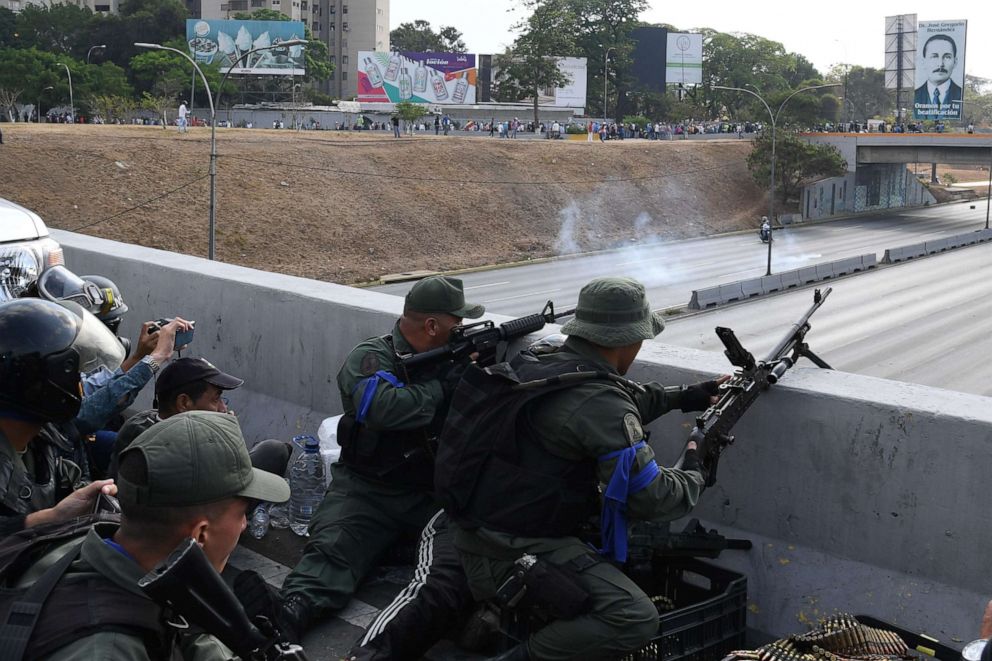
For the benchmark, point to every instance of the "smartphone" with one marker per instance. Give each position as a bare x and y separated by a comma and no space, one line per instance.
105,503
185,337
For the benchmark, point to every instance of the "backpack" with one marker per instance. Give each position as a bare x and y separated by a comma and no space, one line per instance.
480,435
36,621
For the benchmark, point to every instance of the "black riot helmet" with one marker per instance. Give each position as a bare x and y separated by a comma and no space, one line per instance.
112,307
43,348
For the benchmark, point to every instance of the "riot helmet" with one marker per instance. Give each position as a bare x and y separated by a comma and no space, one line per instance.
43,348
60,284
113,307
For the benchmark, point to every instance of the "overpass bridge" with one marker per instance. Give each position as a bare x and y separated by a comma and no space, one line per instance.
877,176
874,148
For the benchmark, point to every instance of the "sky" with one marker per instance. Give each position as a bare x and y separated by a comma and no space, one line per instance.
841,31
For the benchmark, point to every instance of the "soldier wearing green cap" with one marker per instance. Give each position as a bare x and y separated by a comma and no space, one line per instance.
380,491
187,477
542,479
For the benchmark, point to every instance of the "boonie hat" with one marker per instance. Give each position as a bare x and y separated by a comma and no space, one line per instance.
614,312
187,370
197,458
440,293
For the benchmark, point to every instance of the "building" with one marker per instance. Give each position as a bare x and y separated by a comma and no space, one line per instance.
349,26
102,6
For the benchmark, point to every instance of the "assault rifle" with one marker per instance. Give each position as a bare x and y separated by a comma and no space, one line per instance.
483,337
194,592
712,430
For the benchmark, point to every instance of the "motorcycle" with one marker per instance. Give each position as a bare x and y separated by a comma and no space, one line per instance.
764,234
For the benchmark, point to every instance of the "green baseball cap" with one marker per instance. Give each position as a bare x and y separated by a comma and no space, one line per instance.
440,293
197,458
614,312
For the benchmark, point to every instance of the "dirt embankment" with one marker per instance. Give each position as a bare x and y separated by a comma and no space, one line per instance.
351,207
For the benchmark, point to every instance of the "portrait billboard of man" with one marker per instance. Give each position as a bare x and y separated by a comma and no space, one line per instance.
940,69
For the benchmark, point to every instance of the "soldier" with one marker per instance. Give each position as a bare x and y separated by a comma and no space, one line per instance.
536,490
43,348
381,487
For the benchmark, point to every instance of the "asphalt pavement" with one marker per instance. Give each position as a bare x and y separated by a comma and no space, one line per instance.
671,270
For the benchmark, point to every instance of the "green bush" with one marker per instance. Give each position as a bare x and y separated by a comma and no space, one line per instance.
640,120
575,129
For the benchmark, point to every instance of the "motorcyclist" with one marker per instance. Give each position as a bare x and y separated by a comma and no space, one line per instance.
766,229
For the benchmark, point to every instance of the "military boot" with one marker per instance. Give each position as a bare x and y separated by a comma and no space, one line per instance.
296,614
518,653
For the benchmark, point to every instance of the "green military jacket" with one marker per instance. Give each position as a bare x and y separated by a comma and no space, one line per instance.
96,557
588,421
414,405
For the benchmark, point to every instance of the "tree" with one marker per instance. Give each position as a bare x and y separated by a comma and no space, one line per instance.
866,96
31,71
57,28
8,99
419,37
410,112
159,104
318,61
797,162
530,66
8,26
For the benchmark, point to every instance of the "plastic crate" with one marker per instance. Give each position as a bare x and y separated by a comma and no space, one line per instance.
710,613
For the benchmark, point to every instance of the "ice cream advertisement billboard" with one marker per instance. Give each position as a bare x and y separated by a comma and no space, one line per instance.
435,78
940,47
223,42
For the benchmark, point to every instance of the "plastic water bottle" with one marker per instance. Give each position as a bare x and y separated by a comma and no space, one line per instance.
258,527
306,485
279,514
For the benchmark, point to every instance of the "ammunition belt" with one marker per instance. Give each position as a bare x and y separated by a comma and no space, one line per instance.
838,638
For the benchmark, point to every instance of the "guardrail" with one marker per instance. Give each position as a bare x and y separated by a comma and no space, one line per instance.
745,289
934,246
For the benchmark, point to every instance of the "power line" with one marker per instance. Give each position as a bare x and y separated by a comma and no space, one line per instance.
584,182
139,205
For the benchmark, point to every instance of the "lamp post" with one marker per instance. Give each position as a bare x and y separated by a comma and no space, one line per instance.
38,108
211,245
91,50
606,79
72,105
988,198
774,119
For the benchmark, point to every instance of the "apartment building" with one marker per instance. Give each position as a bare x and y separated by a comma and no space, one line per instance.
349,26
214,9
103,6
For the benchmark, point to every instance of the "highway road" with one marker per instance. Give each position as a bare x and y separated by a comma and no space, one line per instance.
672,270
924,321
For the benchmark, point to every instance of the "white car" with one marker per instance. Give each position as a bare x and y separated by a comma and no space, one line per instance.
26,250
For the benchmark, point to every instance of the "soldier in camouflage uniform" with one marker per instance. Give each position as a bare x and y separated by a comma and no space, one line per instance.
381,488
570,440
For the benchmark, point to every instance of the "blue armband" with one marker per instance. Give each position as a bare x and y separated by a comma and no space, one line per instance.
369,385
613,521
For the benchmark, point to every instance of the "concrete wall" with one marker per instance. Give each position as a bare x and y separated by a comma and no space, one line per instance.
897,187
860,494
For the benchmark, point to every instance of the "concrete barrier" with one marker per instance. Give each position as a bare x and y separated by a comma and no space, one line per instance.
848,504
771,283
902,253
869,261
731,292
790,279
807,274
704,298
935,246
752,287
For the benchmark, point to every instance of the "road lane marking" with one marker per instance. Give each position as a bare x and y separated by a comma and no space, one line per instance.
492,284
532,293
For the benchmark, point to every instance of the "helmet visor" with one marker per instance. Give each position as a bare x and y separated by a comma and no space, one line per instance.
96,345
60,284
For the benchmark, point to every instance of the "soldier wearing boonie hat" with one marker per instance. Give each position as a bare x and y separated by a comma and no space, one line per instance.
186,477
592,428
380,492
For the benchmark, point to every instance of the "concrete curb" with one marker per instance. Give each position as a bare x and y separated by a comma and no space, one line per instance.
914,250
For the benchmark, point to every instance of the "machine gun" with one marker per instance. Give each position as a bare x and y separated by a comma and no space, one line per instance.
483,337
192,589
712,430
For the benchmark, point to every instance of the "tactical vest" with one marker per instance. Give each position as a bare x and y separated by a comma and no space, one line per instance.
22,493
400,457
37,621
491,472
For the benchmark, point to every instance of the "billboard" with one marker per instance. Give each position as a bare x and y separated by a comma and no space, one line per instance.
224,41
435,78
573,93
684,60
900,51
940,50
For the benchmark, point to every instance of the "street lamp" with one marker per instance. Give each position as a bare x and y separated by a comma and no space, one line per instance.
38,109
72,104
774,119
91,50
606,59
213,122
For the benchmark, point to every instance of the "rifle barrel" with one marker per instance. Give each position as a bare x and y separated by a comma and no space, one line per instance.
790,337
